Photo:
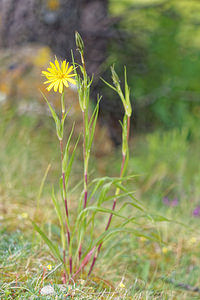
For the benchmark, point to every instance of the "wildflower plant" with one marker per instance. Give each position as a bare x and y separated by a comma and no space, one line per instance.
79,243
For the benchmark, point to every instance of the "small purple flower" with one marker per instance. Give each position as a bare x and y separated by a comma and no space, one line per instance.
166,201
196,211
171,203
174,202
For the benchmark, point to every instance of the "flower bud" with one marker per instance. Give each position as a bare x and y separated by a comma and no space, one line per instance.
79,42
115,77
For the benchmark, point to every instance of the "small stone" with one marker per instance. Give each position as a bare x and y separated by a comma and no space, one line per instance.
47,290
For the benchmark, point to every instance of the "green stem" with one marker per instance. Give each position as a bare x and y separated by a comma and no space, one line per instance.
124,156
85,120
65,194
85,175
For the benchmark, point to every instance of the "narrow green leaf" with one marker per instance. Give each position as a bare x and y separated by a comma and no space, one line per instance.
103,193
99,209
42,185
108,84
53,247
114,179
55,117
124,189
69,166
128,230
94,125
66,153
132,204
96,187
94,112
57,208
110,232
122,195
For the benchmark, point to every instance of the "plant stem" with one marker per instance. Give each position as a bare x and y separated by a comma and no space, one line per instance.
85,172
64,260
63,179
85,162
65,196
124,155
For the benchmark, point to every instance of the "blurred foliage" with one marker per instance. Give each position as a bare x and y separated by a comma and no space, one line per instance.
169,169
159,43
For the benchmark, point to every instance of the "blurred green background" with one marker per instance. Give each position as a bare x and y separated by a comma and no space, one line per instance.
160,43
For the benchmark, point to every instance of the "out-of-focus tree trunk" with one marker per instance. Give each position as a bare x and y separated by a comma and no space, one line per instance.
53,23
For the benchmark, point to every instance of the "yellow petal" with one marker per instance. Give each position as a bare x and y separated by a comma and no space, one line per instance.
66,68
49,81
70,75
53,66
69,70
63,66
51,71
65,83
61,87
56,85
46,73
57,64
50,86
71,80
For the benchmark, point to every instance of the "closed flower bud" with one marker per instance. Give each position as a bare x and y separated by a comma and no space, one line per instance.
79,42
115,77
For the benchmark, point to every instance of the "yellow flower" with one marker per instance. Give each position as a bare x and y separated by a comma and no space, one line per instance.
69,288
82,282
53,4
121,285
49,267
165,250
24,215
142,239
59,76
193,240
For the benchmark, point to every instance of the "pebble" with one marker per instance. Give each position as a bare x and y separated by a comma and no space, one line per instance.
47,290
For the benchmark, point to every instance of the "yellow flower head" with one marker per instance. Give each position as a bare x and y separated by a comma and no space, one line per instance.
59,76
193,240
49,267
24,215
165,250
121,285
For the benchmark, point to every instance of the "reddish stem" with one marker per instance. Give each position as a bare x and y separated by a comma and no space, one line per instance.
114,201
94,260
85,192
64,275
67,213
43,275
70,265
80,252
